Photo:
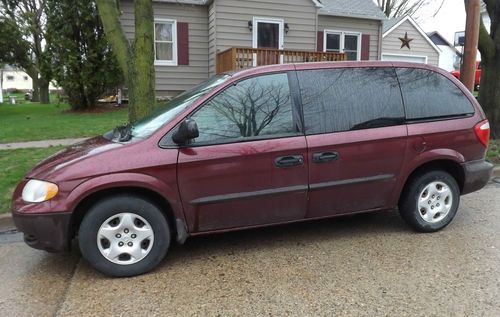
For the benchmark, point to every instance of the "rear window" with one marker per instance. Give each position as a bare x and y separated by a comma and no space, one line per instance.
345,99
428,94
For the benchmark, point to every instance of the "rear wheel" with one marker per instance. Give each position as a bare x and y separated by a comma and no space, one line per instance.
124,236
430,201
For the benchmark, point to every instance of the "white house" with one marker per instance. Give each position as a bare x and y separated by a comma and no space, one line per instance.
13,79
449,59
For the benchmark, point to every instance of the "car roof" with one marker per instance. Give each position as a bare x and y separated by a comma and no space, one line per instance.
329,65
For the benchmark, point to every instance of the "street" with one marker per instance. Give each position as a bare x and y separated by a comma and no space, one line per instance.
365,265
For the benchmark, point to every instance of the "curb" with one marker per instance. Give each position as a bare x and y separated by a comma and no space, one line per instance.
496,171
7,215
6,222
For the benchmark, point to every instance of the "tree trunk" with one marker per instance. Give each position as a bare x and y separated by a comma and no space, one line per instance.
136,61
35,97
489,94
44,91
142,83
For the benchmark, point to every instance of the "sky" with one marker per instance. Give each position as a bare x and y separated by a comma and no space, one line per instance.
450,19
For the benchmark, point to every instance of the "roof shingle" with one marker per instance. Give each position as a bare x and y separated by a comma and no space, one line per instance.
363,9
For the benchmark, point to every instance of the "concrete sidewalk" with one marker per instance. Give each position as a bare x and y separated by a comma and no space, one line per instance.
40,144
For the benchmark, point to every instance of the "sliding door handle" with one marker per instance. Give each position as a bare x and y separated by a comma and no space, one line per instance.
325,157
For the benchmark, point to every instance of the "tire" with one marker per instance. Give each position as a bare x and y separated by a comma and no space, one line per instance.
134,236
430,201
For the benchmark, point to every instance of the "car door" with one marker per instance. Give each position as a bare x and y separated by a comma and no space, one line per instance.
248,167
356,136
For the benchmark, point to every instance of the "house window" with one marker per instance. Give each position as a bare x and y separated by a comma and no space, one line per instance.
166,42
25,77
344,42
10,78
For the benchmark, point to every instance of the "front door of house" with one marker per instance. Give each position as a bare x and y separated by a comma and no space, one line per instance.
267,35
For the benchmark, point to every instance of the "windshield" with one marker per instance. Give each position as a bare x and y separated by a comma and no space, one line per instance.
169,110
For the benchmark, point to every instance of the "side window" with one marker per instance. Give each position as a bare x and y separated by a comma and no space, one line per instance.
428,94
258,107
345,99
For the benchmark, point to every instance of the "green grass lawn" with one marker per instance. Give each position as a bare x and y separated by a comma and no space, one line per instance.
13,165
28,121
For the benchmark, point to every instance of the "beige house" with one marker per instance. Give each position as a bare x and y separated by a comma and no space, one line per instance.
404,40
195,39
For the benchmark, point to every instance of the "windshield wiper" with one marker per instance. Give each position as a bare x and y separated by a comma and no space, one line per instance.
123,132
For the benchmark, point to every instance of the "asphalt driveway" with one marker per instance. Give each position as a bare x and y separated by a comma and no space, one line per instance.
366,265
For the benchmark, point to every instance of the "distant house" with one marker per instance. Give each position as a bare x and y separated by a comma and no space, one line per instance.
449,59
404,40
195,39
15,79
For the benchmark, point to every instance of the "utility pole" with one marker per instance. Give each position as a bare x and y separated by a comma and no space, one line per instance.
473,9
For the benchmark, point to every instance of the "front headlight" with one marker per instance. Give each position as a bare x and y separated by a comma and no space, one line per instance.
36,191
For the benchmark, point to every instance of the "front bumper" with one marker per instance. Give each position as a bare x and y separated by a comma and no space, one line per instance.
476,175
49,232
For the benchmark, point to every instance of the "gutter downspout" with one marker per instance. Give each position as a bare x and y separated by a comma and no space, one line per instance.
380,39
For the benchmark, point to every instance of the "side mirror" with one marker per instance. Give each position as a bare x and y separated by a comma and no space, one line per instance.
187,131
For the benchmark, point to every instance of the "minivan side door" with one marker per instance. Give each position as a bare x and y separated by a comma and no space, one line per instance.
248,167
356,135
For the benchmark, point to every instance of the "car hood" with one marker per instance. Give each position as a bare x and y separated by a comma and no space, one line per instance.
71,156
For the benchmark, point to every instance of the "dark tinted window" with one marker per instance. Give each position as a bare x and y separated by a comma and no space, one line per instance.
350,99
427,94
256,107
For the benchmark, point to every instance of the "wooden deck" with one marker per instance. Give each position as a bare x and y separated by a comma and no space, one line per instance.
237,58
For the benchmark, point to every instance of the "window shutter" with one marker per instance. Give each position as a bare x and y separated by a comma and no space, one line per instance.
320,40
182,43
365,47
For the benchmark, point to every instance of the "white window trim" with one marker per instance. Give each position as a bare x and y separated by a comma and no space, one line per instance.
408,55
281,24
174,61
342,40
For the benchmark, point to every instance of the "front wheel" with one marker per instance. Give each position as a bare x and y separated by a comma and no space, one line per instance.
430,201
124,236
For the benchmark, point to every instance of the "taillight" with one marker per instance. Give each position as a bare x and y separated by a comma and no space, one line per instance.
482,130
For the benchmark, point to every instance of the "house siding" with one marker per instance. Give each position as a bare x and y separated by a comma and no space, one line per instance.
172,79
371,27
212,38
419,46
233,15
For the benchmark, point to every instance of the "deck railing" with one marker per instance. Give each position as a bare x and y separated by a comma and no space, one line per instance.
237,58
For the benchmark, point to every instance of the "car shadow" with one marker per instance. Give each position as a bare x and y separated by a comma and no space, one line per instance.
283,236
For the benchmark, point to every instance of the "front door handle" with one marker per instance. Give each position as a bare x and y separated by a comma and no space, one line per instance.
325,157
289,160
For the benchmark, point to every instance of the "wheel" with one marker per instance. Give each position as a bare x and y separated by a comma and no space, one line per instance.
430,201
124,236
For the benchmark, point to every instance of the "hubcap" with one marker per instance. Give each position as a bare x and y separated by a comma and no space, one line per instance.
435,202
125,238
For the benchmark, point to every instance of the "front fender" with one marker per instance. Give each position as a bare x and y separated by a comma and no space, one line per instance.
96,184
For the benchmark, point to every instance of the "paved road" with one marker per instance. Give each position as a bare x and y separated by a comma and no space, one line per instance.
367,265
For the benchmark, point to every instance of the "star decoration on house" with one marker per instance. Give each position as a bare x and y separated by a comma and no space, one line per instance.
405,41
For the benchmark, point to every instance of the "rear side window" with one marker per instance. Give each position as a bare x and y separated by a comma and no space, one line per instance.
258,107
347,99
428,94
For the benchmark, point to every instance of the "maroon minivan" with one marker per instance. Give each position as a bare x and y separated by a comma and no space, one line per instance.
264,146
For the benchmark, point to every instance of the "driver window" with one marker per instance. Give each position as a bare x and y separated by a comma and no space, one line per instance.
258,107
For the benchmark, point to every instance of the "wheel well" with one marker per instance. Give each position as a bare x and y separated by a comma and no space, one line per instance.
451,167
152,196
